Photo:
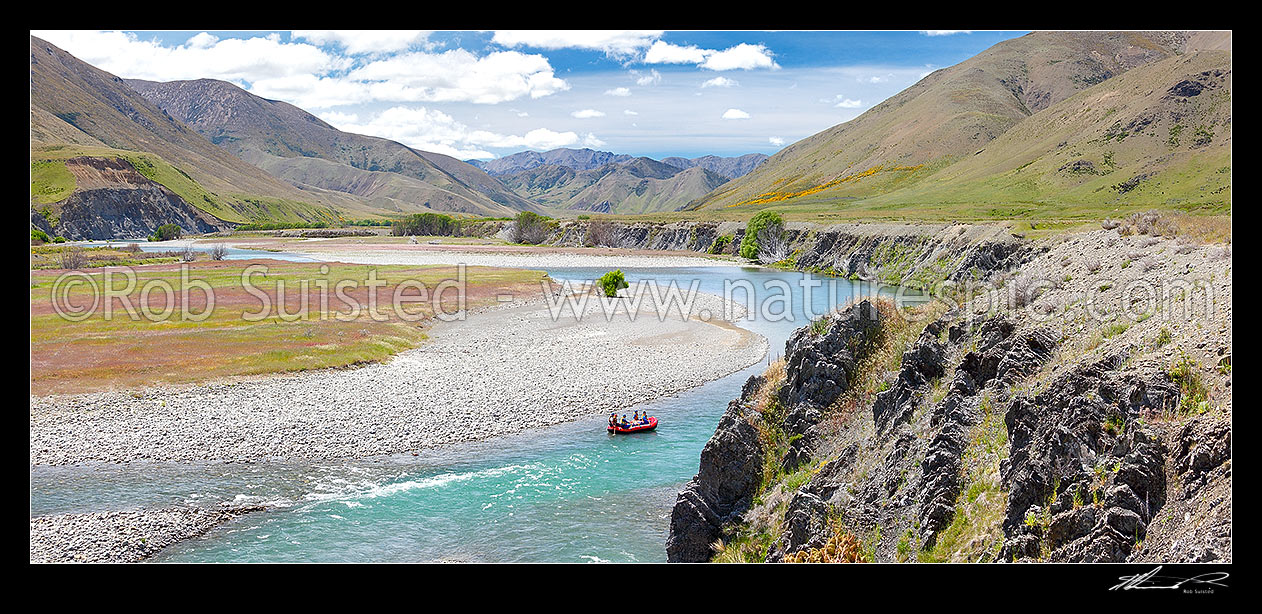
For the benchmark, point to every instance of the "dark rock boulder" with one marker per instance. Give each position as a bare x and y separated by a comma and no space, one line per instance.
129,212
819,366
725,484
924,362
805,526
1084,476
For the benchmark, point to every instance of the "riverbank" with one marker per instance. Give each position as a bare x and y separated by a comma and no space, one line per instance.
120,537
493,374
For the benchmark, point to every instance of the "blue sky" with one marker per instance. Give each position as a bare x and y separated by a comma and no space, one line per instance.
475,94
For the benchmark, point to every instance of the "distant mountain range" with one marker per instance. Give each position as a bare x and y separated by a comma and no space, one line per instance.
1060,118
1071,123
588,159
302,149
637,185
605,182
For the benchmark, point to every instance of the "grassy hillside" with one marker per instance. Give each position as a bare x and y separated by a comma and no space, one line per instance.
387,192
76,105
51,183
952,113
1156,136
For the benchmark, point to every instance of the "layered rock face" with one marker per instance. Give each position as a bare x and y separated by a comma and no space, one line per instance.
732,461
1004,431
731,467
919,255
113,200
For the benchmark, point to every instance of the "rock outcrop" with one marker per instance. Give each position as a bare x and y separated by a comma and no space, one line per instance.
113,200
724,487
1014,427
822,361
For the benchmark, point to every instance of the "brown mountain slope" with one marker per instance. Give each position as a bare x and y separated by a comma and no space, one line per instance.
280,138
950,113
1157,135
106,110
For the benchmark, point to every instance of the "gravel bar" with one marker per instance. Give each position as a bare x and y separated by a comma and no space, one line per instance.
120,537
504,370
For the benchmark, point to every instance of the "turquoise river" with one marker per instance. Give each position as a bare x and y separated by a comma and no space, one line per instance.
564,493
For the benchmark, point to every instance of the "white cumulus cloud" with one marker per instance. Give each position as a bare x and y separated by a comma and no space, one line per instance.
735,114
720,82
775,140
618,91
432,130
587,114
663,52
365,41
743,56
612,42
652,78
202,56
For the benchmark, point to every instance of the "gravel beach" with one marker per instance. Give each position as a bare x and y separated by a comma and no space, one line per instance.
504,370
119,537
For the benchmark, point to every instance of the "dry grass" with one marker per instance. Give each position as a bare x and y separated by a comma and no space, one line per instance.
121,353
1191,228
842,547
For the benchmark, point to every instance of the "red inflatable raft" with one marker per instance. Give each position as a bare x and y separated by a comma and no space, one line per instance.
650,425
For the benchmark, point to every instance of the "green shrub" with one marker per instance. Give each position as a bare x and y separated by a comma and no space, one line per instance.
611,282
59,239
749,243
167,232
40,236
530,228
426,224
1193,393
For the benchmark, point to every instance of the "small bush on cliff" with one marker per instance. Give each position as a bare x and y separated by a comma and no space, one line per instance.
1193,393
600,233
610,283
720,244
38,236
754,232
529,228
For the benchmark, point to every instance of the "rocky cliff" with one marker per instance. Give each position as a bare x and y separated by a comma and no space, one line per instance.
1048,416
113,200
914,255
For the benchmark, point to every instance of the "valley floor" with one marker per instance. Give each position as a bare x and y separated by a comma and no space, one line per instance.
492,374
